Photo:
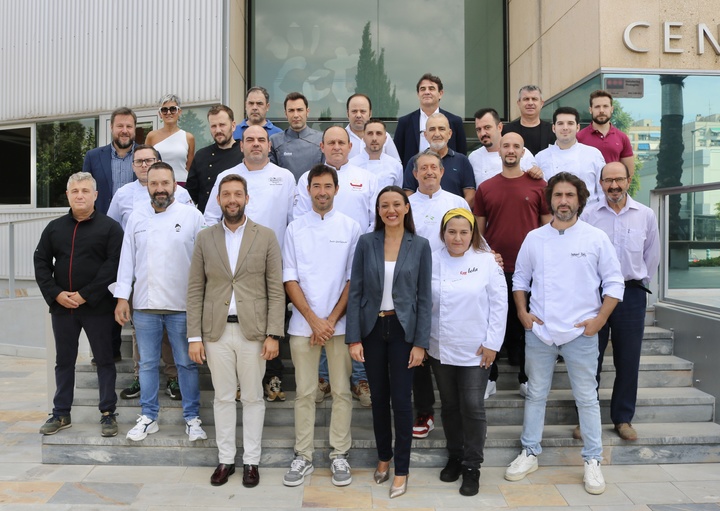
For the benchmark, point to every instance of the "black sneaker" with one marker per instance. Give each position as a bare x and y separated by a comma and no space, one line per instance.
108,424
55,423
173,389
452,470
470,482
132,391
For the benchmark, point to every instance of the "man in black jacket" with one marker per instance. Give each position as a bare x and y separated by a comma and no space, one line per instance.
75,261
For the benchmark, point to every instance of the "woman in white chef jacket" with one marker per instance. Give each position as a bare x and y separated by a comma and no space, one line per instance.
469,310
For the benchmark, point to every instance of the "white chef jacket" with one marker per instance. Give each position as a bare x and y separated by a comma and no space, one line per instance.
134,196
585,161
486,164
318,253
272,194
428,213
634,234
469,306
566,269
156,254
355,198
387,169
358,145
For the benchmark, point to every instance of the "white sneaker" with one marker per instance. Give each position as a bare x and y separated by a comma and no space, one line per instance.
340,468
194,430
490,389
593,479
523,389
145,426
521,466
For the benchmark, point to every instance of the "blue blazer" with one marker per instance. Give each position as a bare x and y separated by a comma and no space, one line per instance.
412,295
97,163
407,135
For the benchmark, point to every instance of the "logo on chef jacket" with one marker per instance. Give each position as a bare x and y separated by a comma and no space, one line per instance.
429,219
578,254
178,227
357,187
468,271
275,181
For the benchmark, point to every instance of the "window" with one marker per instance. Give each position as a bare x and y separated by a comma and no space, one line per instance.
16,148
61,148
317,48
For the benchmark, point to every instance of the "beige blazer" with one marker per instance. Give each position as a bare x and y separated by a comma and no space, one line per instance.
257,283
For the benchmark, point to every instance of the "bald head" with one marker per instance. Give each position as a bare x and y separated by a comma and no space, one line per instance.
512,149
255,146
336,146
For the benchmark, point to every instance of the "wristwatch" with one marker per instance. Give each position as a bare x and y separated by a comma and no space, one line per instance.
276,337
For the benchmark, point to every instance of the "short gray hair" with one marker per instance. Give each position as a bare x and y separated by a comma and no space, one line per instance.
427,152
82,176
170,97
527,88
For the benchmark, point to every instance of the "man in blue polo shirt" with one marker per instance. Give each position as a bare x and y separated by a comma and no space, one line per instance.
257,104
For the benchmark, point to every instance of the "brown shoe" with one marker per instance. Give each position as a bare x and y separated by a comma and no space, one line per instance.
626,431
577,435
251,476
221,474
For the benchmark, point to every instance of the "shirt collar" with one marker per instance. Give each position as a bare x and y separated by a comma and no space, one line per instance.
327,215
629,204
238,231
115,154
291,133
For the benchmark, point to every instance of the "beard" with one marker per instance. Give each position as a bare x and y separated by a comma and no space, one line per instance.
233,218
601,121
566,216
162,199
619,198
438,146
120,145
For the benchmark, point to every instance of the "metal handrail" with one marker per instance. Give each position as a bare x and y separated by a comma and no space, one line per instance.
11,246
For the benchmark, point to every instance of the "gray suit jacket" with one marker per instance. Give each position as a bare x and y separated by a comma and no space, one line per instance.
257,282
411,291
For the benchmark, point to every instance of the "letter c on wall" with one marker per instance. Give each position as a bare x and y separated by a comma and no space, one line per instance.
626,36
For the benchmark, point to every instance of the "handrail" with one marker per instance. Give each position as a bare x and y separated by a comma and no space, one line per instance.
11,246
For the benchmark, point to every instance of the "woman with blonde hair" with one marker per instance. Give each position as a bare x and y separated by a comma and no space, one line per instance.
176,146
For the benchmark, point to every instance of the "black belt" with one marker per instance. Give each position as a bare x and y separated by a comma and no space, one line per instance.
232,319
638,284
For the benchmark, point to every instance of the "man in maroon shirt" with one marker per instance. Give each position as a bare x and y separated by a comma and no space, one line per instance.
507,207
601,134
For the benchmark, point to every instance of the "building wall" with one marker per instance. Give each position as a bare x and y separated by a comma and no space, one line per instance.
557,44
72,57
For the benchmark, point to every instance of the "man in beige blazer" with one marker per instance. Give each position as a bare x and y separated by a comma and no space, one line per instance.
236,312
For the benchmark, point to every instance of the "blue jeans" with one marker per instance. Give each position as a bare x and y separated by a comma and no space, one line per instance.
626,325
358,370
580,356
149,332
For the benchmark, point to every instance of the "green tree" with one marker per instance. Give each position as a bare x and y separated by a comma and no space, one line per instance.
190,122
372,80
325,114
61,148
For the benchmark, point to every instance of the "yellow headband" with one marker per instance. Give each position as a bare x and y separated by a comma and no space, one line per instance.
459,212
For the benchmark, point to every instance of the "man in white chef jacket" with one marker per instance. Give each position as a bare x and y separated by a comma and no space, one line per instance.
154,265
563,264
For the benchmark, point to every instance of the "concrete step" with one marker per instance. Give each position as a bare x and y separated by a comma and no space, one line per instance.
504,408
655,371
665,442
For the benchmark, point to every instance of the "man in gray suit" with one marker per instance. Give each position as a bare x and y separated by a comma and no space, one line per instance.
236,312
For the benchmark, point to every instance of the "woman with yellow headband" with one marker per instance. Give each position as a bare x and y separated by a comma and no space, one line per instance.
388,325
467,329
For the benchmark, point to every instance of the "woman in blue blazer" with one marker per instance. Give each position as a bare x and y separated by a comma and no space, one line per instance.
388,324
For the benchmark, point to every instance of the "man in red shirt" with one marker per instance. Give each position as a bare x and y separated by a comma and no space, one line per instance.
601,134
507,207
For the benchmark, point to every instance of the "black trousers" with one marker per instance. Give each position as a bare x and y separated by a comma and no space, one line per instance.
99,330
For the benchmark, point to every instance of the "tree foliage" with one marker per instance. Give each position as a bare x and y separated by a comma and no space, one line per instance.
623,121
190,122
61,148
372,80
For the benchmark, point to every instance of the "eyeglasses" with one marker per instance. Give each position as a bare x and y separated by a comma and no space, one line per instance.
169,109
611,180
146,161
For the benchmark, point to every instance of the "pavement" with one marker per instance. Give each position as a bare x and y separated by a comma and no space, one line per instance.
27,484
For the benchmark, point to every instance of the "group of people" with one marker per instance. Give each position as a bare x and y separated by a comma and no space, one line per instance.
400,258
